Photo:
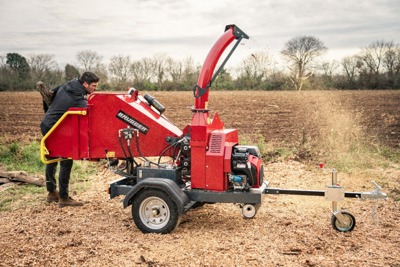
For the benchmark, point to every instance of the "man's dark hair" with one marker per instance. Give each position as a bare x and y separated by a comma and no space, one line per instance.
89,77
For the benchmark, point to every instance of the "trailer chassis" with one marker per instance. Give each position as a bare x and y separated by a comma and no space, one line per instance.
249,201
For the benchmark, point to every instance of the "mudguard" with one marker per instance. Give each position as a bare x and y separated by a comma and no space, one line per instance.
169,186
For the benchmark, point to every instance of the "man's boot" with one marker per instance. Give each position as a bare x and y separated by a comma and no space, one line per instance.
68,201
52,197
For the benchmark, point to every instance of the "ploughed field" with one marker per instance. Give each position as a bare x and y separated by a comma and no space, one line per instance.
287,230
274,116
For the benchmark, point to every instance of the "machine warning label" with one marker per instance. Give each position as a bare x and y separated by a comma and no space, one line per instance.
132,122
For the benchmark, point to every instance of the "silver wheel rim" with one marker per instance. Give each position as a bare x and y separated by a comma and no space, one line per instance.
248,211
348,223
154,213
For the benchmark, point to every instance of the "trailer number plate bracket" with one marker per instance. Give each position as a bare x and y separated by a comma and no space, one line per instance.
334,193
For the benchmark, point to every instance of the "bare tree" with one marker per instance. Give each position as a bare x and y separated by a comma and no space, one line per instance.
327,79
375,61
142,70
120,69
373,56
301,52
2,61
254,69
391,62
159,64
89,60
5,74
329,67
190,73
41,65
350,64
175,69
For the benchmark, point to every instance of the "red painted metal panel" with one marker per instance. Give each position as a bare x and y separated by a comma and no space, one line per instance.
202,176
75,137
199,142
64,141
256,162
83,143
89,136
216,178
109,113
210,63
198,163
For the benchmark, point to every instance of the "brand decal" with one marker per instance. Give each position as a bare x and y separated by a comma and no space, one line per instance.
132,122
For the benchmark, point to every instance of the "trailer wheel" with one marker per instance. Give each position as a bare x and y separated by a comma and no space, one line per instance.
154,211
249,211
348,224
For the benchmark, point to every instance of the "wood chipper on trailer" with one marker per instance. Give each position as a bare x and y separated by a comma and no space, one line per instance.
206,163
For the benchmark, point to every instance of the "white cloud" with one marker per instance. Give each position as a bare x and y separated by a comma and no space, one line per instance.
180,28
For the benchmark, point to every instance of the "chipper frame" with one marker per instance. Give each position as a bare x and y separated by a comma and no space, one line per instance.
205,163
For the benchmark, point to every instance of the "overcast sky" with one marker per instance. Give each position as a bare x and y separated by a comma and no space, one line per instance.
180,28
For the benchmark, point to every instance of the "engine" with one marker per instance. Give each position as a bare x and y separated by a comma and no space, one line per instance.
247,169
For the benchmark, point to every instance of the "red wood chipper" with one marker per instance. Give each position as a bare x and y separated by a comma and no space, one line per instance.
206,163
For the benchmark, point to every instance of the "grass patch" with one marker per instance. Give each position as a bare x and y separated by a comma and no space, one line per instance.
21,196
390,154
26,157
21,157
362,156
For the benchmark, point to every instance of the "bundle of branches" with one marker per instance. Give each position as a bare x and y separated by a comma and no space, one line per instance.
10,178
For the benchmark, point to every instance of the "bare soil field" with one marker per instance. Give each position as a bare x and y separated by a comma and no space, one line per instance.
287,230
276,116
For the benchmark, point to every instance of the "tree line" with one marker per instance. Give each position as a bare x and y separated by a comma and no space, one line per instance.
376,66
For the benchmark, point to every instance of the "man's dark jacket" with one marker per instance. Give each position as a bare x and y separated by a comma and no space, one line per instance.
70,94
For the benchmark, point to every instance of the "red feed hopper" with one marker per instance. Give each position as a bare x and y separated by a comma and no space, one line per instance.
94,132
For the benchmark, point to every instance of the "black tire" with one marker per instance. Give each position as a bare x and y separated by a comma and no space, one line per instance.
348,226
154,211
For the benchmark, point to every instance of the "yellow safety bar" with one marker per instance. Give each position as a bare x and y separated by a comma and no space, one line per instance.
43,149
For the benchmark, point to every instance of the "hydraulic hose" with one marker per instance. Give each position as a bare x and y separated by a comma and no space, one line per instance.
123,150
166,149
141,154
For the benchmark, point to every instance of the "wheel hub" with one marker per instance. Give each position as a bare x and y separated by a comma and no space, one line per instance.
154,212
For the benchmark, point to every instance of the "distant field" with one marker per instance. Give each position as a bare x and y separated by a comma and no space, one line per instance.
287,117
